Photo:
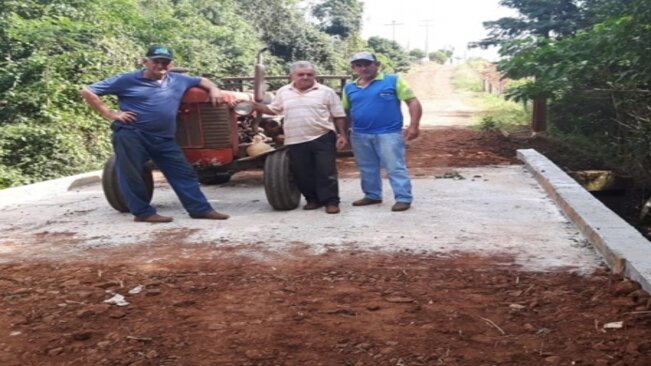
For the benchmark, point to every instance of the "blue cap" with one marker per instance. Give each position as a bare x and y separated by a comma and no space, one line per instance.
158,51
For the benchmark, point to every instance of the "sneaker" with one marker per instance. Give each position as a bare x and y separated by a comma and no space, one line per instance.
332,209
366,201
312,205
211,215
153,219
400,206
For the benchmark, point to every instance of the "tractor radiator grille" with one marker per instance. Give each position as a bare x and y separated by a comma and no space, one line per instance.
202,126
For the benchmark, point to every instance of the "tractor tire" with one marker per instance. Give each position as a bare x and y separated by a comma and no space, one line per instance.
282,193
112,190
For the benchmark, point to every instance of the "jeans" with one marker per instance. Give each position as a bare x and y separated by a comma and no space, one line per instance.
376,151
314,166
133,148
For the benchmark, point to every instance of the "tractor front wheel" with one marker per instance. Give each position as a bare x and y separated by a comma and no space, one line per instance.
112,190
279,185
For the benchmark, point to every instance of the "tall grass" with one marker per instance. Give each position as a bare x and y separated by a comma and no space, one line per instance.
494,110
467,78
504,113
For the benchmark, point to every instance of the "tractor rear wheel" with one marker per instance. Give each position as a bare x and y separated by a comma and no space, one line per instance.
112,190
279,185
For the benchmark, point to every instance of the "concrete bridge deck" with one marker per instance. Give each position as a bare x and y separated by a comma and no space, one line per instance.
533,213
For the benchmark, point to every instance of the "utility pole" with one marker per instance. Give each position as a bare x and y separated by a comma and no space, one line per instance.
393,24
426,24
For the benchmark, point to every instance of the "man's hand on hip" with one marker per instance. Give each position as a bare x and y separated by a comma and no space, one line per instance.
125,117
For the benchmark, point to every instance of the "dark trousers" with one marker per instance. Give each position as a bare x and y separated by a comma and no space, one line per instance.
314,166
133,149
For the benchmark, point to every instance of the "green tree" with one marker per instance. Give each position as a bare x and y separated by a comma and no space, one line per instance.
597,77
538,18
283,28
341,18
49,50
392,56
441,56
417,54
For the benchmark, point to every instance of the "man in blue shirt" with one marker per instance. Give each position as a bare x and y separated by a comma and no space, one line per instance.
144,128
377,139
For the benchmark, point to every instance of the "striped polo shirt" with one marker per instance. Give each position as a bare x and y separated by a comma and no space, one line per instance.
308,114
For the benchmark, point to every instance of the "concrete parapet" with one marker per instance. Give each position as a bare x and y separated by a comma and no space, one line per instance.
48,188
623,248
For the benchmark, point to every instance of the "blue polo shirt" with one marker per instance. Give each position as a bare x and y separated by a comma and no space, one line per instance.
154,103
375,108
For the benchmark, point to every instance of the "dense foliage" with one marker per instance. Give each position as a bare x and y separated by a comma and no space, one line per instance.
342,18
51,49
392,56
441,56
592,60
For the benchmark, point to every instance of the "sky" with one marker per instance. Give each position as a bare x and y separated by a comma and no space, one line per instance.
433,24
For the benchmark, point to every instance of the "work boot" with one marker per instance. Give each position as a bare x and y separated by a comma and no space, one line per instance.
153,219
211,215
332,208
312,205
400,206
366,201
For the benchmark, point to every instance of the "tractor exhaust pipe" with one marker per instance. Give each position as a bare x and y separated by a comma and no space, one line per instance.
258,77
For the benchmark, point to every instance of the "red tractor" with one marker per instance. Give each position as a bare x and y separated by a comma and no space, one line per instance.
220,141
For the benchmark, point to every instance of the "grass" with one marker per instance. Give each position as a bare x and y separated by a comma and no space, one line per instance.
467,78
504,113
495,110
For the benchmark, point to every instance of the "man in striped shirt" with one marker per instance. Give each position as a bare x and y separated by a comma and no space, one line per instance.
315,127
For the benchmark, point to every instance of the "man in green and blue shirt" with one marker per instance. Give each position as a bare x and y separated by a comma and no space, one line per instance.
377,139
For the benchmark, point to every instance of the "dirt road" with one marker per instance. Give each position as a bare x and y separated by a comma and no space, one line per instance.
234,300
442,105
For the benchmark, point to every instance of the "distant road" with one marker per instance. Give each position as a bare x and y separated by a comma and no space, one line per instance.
442,106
